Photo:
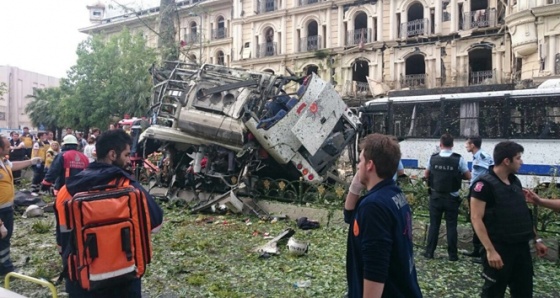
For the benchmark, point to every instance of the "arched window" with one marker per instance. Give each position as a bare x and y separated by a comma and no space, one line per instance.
417,24
220,31
480,66
193,35
268,48
415,72
220,58
312,41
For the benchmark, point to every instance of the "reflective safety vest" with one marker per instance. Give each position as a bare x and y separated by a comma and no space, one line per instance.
27,140
62,229
42,151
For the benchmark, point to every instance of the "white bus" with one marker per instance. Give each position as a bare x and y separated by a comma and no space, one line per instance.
530,117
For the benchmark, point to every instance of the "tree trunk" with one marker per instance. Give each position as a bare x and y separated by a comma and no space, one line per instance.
167,44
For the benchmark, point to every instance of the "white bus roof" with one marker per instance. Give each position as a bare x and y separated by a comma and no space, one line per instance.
548,88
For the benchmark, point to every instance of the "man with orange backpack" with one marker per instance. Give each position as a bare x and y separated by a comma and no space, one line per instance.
69,163
105,253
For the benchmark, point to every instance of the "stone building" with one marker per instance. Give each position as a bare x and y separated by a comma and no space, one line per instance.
20,84
368,48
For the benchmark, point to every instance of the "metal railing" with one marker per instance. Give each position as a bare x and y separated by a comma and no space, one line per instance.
413,81
355,88
219,33
310,43
479,18
267,6
191,38
415,27
481,77
553,2
308,2
363,35
267,49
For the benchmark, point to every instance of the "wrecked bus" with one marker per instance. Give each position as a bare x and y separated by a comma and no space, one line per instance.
218,126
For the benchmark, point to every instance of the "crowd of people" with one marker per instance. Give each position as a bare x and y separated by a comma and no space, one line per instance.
380,261
77,165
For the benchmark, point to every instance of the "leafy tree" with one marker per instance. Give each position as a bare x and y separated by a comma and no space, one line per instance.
44,108
111,78
166,40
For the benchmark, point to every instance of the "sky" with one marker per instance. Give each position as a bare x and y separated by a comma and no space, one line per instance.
42,35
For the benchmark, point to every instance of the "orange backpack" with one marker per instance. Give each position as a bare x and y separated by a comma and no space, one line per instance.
110,239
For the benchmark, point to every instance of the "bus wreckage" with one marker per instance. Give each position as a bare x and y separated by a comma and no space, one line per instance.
221,129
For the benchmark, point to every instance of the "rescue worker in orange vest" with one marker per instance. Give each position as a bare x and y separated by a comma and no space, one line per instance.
66,164
39,150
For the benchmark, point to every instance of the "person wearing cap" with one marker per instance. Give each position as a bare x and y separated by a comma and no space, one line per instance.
66,164
7,201
481,164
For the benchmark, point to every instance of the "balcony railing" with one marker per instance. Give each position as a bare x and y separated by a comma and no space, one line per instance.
553,2
479,18
267,6
192,38
413,81
310,43
355,88
308,2
266,49
482,77
219,33
414,28
359,36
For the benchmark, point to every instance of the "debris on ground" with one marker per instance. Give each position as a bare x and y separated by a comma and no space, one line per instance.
271,246
297,247
307,224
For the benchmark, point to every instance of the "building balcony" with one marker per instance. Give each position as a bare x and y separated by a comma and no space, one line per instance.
552,2
355,88
192,38
219,33
414,81
482,77
267,6
308,2
359,36
479,19
267,49
415,28
310,43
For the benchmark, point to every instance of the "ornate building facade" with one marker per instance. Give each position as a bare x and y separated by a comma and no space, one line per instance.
368,48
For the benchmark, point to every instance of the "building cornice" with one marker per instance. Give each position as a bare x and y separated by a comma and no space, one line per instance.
548,10
520,17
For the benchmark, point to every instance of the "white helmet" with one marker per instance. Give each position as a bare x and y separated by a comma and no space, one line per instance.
33,211
69,140
296,247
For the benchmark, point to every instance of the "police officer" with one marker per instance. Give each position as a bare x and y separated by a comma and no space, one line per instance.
480,166
502,221
444,172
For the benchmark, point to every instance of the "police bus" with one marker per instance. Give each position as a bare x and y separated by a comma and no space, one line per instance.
530,117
